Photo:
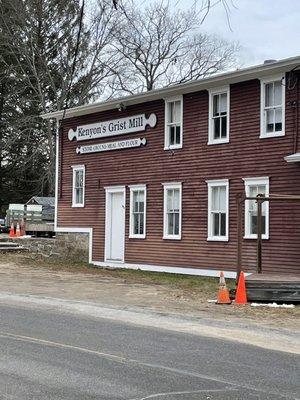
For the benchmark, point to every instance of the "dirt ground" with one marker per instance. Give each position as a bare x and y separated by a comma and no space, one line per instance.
28,274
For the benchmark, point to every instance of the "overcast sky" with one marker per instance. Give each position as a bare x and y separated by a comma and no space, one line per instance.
266,29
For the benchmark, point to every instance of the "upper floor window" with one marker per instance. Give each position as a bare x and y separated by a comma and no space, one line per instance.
137,228
218,209
219,115
272,107
254,187
172,211
173,123
78,186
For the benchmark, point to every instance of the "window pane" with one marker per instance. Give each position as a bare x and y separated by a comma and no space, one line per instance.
277,93
176,199
177,139
252,205
278,119
270,120
216,122
141,206
224,127
216,105
141,224
222,198
169,200
253,224
170,223
79,196
79,178
176,224
135,224
253,191
260,189
223,103
141,200
215,198
135,202
216,222
171,135
177,111
269,100
223,224
170,112
263,224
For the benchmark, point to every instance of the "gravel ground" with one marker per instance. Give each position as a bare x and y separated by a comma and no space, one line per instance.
178,295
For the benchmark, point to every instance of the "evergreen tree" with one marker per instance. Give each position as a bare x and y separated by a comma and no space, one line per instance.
38,39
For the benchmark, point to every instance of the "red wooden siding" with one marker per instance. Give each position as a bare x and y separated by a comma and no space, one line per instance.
244,156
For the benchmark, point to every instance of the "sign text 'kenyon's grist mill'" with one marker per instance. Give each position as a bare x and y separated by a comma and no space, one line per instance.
135,123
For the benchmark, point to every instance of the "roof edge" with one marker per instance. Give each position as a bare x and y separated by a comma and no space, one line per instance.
239,75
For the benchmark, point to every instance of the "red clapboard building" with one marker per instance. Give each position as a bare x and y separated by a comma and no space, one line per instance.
153,178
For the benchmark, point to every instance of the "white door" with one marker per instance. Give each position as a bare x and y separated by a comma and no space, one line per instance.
115,228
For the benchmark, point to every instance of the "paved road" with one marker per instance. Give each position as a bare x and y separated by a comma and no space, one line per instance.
51,355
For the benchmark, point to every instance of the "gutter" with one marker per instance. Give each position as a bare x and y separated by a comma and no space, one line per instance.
239,75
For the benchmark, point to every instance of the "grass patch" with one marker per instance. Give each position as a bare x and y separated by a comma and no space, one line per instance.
186,283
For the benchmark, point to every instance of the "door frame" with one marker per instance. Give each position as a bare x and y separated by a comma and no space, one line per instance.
109,191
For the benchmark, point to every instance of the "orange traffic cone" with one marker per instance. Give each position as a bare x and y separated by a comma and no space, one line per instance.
241,293
18,232
223,293
12,231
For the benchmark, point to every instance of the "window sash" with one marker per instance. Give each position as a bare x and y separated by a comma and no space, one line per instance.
173,223
173,125
174,134
218,224
78,186
219,116
252,189
218,211
138,212
272,107
172,211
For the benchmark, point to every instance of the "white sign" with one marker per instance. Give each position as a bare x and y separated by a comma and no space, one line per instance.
136,123
119,145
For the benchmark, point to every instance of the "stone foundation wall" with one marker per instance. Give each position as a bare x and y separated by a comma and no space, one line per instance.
72,246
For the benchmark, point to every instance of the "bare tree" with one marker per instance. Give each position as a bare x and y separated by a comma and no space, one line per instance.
160,47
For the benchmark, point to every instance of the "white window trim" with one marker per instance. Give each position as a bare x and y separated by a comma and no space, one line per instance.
134,188
212,92
78,168
172,185
263,81
166,145
256,181
210,185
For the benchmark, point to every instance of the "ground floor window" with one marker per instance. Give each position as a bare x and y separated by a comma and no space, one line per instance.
254,187
172,211
137,227
78,186
218,203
